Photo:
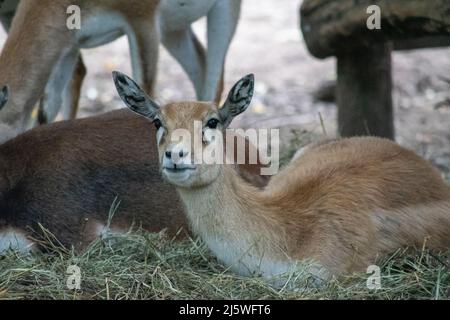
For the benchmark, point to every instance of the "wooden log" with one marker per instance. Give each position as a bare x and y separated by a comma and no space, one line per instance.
332,27
364,92
422,43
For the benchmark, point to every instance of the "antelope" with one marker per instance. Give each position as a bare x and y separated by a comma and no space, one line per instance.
42,49
66,176
342,204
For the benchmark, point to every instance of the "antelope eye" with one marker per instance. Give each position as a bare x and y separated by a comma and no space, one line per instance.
157,124
212,124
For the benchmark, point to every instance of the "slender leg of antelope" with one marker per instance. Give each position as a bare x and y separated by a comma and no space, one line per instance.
6,21
59,81
144,48
189,52
28,76
72,92
222,23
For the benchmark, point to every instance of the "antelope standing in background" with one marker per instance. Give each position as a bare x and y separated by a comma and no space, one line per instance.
342,204
41,49
67,175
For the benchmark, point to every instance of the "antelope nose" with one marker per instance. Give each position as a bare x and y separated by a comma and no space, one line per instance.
181,154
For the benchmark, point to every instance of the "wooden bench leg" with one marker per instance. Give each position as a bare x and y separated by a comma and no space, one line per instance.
364,92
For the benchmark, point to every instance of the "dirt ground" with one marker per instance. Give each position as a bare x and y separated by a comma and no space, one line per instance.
268,43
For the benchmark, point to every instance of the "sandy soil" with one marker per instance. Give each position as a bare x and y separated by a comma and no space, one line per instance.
268,43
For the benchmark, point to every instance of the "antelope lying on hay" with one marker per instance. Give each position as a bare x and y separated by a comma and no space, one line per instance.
41,48
67,175
342,204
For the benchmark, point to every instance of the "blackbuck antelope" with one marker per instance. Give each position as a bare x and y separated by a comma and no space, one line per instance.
67,175
342,204
43,51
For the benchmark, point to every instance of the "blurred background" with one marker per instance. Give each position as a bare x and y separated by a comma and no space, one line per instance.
269,43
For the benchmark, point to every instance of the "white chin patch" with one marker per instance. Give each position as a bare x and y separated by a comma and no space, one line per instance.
11,239
177,177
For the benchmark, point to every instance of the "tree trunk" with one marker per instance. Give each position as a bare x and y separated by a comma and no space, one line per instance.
364,92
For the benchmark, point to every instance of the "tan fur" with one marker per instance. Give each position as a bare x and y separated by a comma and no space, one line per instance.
343,204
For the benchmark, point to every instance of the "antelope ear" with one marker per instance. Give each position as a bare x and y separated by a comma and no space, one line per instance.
134,97
4,96
238,99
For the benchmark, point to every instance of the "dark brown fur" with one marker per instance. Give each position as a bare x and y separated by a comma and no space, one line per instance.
68,173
